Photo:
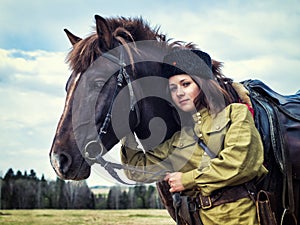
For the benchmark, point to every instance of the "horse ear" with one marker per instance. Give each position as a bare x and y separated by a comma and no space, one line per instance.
103,30
73,39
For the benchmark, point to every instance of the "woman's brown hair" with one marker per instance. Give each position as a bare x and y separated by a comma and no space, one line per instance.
212,95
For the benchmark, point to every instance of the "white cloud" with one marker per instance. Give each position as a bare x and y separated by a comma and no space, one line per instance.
277,72
33,71
255,40
32,98
237,33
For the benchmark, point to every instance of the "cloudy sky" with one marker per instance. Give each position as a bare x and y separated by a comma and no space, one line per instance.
255,39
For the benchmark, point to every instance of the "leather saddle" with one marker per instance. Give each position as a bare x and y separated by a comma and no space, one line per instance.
277,118
277,98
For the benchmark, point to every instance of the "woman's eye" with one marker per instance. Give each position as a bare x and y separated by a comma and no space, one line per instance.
186,84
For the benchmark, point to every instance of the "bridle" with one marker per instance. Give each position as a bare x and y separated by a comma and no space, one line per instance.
95,145
123,75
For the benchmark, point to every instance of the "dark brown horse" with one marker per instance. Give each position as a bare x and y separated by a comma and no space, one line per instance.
94,112
111,33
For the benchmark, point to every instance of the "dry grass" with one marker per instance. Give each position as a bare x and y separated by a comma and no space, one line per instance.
85,217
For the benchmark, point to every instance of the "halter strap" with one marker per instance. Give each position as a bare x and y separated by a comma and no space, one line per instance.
114,59
122,75
109,166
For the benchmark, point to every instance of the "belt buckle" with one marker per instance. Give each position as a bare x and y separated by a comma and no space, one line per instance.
206,202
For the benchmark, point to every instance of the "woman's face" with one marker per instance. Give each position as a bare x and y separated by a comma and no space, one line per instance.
183,91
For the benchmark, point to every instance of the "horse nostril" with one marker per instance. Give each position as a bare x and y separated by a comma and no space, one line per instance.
65,161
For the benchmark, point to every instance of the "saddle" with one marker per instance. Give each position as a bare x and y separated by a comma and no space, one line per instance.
277,118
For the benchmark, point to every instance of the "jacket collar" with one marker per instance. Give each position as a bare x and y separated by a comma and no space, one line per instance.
202,113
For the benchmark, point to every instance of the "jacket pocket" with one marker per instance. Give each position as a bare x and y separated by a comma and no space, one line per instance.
183,142
216,133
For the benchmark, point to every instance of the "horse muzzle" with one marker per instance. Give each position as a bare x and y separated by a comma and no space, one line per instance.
68,167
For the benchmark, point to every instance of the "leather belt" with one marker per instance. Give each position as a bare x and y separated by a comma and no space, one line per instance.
224,195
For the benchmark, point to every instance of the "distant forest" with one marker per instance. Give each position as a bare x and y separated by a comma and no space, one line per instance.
27,191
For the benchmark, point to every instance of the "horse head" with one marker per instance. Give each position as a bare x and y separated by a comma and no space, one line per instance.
119,45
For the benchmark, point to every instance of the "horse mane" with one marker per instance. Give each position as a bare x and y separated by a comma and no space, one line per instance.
127,30
124,29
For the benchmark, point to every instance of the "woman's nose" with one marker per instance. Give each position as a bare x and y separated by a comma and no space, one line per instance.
180,92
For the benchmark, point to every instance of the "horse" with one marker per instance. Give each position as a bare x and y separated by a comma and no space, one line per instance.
64,152
107,61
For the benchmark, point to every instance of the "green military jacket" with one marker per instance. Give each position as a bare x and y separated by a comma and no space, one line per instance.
231,134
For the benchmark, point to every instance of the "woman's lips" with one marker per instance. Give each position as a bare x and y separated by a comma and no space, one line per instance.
183,101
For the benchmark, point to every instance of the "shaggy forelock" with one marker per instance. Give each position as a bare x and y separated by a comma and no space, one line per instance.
87,50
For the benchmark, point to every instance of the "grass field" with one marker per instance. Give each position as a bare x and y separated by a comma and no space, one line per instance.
85,217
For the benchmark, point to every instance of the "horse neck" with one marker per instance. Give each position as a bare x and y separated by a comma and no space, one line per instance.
157,122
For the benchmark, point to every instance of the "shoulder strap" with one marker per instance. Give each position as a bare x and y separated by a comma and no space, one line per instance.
209,152
206,149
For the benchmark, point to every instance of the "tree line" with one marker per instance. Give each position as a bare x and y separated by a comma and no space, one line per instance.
27,191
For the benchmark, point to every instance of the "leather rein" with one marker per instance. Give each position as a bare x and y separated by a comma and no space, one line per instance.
93,145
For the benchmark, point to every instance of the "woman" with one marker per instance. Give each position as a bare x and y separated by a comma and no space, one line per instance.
217,160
